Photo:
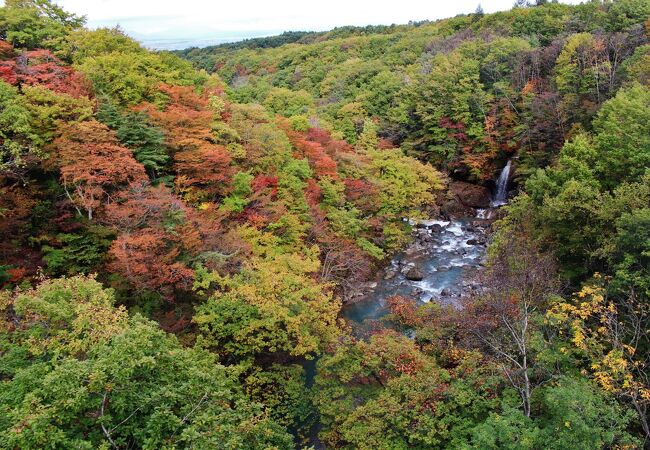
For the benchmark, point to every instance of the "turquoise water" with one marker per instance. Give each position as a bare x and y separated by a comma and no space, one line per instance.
447,252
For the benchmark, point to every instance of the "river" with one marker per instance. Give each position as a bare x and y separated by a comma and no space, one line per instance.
440,265
445,253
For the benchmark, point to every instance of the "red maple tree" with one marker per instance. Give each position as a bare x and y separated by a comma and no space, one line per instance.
94,166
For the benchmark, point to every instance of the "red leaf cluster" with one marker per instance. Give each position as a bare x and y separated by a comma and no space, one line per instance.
6,50
94,166
186,120
406,310
147,259
262,182
317,155
41,67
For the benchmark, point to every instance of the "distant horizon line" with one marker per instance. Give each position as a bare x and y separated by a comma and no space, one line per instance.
162,43
159,42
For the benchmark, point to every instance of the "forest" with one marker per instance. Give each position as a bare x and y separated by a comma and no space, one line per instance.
181,234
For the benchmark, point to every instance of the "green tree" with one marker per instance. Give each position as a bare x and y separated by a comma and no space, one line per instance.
623,14
146,141
583,75
50,109
450,94
82,44
19,142
622,136
134,130
93,377
406,184
83,252
631,258
272,306
130,78
241,190
289,103
36,24
368,139
571,413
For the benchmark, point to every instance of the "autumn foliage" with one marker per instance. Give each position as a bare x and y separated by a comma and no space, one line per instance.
202,166
158,233
94,166
41,67
313,146
233,201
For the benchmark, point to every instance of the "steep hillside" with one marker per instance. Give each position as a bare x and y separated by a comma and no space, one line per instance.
181,237
464,93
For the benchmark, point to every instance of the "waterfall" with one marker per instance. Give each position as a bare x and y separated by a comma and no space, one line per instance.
502,187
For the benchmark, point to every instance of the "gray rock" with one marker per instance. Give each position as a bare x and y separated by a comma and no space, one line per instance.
481,223
412,250
390,274
414,274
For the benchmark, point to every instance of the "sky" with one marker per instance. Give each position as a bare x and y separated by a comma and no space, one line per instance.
164,23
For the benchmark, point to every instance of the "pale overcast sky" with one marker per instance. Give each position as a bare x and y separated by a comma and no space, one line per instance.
153,20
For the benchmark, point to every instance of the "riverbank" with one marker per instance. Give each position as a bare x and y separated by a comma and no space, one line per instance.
439,265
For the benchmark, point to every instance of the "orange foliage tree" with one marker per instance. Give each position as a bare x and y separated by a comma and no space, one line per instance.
94,166
311,147
202,166
159,236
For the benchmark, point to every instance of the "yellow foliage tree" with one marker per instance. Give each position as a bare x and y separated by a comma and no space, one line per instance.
614,337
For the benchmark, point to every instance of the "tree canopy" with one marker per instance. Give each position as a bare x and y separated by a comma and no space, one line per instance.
183,233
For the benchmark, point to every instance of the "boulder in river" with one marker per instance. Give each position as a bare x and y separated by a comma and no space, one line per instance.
416,292
390,274
415,273
481,223
412,250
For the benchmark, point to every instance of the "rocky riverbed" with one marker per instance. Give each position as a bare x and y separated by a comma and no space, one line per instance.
438,266
442,262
